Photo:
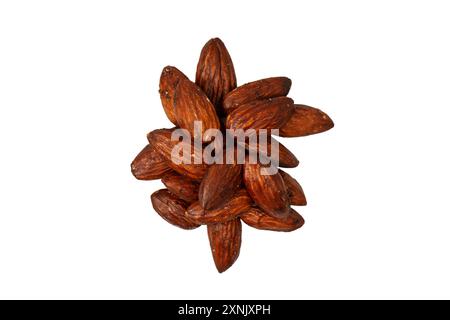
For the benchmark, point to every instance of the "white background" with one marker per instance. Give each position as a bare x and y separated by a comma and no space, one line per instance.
78,93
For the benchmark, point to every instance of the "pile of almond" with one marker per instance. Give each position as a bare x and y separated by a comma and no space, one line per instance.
220,195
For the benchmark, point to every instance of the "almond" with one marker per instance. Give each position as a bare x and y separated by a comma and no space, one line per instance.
239,203
161,140
256,218
261,114
286,158
171,209
268,191
306,120
295,191
149,164
215,72
202,190
190,105
168,81
184,188
225,242
220,182
256,90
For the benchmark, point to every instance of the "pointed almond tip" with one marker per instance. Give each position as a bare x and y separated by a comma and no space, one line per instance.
150,136
134,166
217,42
287,83
331,123
166,70
222,269
292,164
302,223
299,221
211,41
219,270
300,203
328,123
133,170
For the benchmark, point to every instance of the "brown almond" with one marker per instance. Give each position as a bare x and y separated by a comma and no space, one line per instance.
285,157
261,114
149,164
268,191
172,209
183,187
225,242
256,218
295,191
220,182
161,140
239,203
256,90
190,105
215,72
306,120
170,76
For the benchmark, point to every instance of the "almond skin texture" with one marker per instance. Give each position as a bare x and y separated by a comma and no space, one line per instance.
306,120
170,76
261,114
268,191
184,188
171,208
256,90
149,164
215,72
220,182
256,218
238,204
191,104
225,242
295,191
285,157
161,140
